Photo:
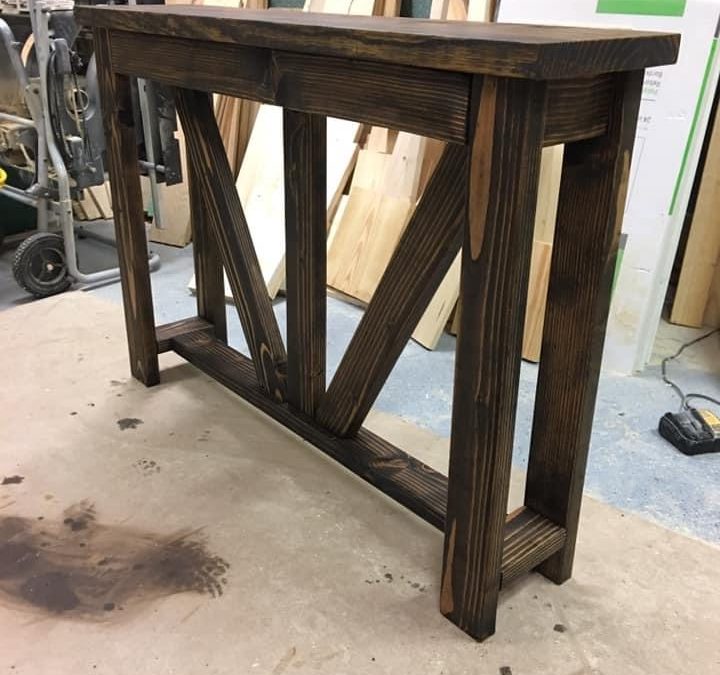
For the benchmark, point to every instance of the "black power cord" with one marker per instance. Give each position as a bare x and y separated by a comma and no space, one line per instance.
684,398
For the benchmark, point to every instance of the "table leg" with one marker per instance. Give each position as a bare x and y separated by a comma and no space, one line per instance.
592,200
128,214
305,153
503,176
209,278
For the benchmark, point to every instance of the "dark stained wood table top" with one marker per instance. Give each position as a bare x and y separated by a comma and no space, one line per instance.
513,50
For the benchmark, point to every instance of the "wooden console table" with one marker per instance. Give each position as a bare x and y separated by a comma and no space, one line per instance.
497,94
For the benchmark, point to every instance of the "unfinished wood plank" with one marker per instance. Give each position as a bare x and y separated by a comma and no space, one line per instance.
502,176
436,316
536,301
712,309
702,250
305,233
174,204
427,248
545,217
130,233
364,242
592,201
440,308
226,218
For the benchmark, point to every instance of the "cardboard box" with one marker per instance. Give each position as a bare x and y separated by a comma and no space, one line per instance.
671,127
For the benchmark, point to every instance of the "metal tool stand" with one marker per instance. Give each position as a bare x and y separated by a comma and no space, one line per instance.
50,193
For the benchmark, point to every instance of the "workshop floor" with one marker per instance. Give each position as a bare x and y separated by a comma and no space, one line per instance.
196,536
200,537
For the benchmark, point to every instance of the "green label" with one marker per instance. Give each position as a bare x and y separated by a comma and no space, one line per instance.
645,7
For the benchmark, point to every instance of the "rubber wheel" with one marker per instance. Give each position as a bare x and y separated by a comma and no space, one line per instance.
39,265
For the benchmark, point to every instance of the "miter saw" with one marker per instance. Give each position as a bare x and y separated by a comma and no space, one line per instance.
51,137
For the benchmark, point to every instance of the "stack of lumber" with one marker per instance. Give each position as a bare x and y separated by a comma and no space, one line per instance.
375,178
390,176
260,181
94,204
697,297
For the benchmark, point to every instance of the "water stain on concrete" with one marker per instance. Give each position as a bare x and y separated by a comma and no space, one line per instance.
79,568
12,480
129,423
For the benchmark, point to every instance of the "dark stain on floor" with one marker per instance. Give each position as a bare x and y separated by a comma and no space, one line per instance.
12,480
80,568
129,423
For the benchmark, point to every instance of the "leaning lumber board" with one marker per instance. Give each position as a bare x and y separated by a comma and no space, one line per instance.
260,180
383,195
438,313
703,244
712,310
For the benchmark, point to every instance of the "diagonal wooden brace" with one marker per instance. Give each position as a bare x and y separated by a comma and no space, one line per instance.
229,227
424,254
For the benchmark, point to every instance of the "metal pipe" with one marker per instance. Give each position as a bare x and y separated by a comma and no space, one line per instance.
23,121
20,195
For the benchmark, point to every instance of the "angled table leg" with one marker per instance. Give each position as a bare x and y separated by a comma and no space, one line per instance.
130,233
503,176
592,200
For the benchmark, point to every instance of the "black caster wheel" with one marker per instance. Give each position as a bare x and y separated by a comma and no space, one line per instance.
39,265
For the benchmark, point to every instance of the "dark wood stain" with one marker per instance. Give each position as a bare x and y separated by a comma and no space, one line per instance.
592,198
511,50
305,154
230,229
423,255
494,283
12,480
129,217
497,93
79,568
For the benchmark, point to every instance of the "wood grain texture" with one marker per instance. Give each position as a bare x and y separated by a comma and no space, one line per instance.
702,251
421,100
712,309
408,481
537,297
426,250
129,216
225,216
577,109
527,537
539,52
304,138
165,333
364,241
209,278
503,177
592,201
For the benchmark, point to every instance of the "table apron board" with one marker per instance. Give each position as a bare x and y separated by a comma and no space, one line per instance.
430,102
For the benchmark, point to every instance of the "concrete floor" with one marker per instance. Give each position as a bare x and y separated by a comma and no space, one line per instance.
657,482
200,537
